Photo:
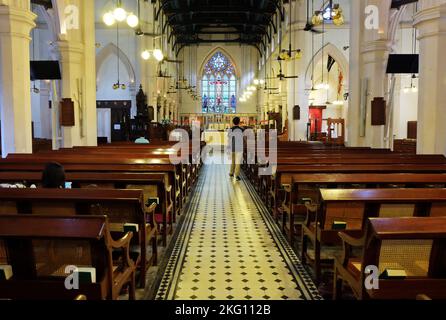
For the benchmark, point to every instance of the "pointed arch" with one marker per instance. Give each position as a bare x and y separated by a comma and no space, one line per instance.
226,54
110,50
218,82
339,57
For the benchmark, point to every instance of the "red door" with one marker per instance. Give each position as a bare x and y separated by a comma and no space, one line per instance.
315,120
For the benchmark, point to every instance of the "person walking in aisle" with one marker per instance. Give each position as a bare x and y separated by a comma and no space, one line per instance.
236,142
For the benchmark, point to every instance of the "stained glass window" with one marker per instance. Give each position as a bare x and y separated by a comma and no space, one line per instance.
219,85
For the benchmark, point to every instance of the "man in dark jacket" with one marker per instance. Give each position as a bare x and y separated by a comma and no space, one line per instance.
236,140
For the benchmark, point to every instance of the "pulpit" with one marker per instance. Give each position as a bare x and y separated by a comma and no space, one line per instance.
140,124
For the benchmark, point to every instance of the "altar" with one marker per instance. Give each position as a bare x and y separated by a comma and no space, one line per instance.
218,121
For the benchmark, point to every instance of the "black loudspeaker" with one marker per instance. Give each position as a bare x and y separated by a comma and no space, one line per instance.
45,70
403,63
296,113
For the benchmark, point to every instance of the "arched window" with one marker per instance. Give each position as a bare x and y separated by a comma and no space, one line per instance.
219,85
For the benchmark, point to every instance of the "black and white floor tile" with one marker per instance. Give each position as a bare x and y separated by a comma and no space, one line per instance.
230,248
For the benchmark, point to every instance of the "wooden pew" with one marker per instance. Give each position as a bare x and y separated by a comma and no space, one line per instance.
153,185
109,165
120,206
354,206
288,170
415,245
39,248
303,188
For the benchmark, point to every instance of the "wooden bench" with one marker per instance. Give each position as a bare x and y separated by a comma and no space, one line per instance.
155,186
299,189
38,250
122,207
288,170
354,206
80,165
415,245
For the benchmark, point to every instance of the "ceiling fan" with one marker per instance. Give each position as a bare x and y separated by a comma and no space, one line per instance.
172,61
161,74
309,26
281,76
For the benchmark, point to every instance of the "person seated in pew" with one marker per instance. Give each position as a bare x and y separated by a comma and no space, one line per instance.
142,140
53,176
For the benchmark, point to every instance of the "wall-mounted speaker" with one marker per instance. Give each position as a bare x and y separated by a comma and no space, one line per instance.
296,113
67,113
378,111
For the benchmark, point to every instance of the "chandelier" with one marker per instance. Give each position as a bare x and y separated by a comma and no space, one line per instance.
119,14
333,12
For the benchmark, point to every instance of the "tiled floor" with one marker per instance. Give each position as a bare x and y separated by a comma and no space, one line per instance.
229,248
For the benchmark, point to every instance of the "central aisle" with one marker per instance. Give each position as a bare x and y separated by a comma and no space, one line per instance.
229,248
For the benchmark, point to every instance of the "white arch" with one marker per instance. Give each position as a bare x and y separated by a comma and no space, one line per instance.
112,49
339,57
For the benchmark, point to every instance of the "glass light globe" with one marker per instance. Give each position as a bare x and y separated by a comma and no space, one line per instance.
406,90
158,54
338,21
145,55
119,14
256,82
414,89
132,20
317,19
109,19
262,81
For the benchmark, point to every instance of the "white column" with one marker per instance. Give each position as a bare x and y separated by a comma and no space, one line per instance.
355,76
431,24
133,92
16,22
45,111
374,56
71,62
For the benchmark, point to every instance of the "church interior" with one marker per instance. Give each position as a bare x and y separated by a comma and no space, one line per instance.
98,98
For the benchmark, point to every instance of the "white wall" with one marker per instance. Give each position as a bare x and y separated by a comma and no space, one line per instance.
108,76
41,38
406,101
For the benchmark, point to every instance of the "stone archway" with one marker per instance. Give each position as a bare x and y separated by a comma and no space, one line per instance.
337,54
110,50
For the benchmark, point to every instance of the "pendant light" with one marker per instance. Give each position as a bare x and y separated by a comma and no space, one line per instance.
118,84
119,14
323,85
413,88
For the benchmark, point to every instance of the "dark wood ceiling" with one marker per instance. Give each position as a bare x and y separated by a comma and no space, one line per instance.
46,3
240,21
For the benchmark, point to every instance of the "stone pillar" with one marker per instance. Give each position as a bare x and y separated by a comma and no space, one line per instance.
354,105
45,111
374,57
71,63
16,22
431,24
133,91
